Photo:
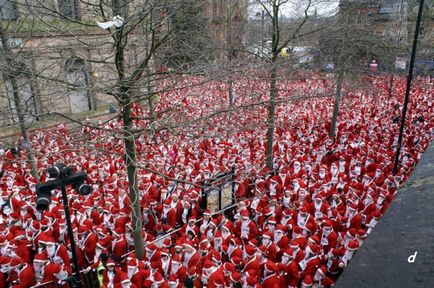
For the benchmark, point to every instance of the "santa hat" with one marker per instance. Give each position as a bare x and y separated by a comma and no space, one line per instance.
304,209
312,249
132,262
151,247
40,258
188,244
173,280
164,252
216,257
314,239
110,262
272,220
270,266
328,224
250,250
235,276
289,253
50,240
267,235
158,278
208,264
178,243
353,245
307,281
322,270
176,258
229,267
245,214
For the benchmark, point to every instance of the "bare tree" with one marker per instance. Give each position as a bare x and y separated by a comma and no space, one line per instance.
273,10
12,68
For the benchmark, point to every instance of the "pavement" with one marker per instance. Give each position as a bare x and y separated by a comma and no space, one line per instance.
400,250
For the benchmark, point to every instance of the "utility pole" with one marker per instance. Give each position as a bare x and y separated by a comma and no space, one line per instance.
407,91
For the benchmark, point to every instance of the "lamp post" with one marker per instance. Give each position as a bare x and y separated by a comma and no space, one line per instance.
63,176
407,90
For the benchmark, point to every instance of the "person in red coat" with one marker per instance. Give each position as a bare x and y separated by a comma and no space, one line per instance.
119,245
318,207
216,278
25,276
134,274
233,250
24,247
321,279
270,279
291,274
191,260
354,218
304,218
89,245
58,254
280,239
177,269
153,255
245,229
311,262
169,213
113,276
271,251
55,273
251,261
328,237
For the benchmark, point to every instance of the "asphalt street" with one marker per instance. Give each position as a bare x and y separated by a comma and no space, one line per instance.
406,228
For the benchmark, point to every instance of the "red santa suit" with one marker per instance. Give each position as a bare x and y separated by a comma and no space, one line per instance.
328,237
89,245
25,277
270,278
119,245
246,229
252,262
113,278
59,254
191,261
216,279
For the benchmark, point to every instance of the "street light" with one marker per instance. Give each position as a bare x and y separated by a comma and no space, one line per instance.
63,176
408,87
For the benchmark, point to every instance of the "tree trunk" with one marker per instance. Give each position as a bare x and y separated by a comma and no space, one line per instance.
338,97
270,120
130,162
391,86
150,96
125,99
230,94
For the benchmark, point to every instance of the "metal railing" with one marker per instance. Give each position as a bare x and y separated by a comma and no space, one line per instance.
90,279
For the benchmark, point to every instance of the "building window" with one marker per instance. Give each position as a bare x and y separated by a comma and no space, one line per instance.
78,81
8,10
69,9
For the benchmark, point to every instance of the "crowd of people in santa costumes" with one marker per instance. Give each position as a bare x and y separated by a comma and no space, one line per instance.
296,226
